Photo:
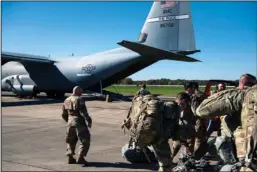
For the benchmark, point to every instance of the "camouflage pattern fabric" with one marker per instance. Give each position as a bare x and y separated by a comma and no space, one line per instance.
200,125
151,123
227,102
150,120
77,129
197,99
81,133
163,155
185,133
245,136
238,105
189,147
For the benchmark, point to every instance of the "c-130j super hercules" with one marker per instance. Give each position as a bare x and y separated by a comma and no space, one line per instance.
166,34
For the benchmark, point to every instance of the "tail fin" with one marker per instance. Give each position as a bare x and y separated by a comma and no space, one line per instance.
169,27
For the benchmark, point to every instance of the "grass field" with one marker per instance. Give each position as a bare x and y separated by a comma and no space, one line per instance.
161,90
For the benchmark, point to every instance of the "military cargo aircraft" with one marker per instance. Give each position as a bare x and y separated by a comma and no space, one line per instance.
167,34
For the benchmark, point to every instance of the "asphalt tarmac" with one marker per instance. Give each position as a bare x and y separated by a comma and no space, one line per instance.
33,133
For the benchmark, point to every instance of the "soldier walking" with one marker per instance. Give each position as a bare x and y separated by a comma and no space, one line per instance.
74,112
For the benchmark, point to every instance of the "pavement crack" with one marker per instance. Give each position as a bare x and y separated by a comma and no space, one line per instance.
48,169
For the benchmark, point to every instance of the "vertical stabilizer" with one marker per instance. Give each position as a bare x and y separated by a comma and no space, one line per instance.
169,27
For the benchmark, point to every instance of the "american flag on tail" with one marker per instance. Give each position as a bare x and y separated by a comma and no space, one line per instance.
168,4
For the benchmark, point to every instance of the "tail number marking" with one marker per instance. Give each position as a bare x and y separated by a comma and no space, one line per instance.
167,25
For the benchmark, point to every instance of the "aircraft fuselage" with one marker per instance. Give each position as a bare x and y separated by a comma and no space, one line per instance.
67,72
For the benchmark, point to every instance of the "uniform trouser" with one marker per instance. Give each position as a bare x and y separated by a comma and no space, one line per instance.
189,144
74,134
163,155
201,138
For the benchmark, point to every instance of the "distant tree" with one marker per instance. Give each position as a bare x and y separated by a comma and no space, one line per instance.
128,81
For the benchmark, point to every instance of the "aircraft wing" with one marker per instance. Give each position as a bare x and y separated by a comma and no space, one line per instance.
155,52
24,58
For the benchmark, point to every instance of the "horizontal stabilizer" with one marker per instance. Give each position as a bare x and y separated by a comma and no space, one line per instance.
145,50
188,52
23,58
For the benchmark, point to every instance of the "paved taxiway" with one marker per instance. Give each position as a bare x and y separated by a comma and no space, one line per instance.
33,136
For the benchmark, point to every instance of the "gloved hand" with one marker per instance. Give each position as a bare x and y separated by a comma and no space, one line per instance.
89,121
90,125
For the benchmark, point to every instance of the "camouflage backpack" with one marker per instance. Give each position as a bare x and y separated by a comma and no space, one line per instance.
145,120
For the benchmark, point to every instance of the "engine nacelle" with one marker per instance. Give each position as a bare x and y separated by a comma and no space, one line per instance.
19,84
24,89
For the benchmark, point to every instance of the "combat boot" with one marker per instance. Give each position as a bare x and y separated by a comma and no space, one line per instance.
82,161
71,159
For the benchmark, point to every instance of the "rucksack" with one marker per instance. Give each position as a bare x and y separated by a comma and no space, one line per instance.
145,120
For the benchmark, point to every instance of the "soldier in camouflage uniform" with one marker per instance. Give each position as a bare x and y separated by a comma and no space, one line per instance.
142,91
74,112
189,88
186,119
152,122
200,124
237,126
245,135
214,123
184,134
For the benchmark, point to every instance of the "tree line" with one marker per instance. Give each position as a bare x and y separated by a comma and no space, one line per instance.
162,81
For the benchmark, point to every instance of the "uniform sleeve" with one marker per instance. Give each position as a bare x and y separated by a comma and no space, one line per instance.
83,110
214,105
64,114
194,104
196,101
